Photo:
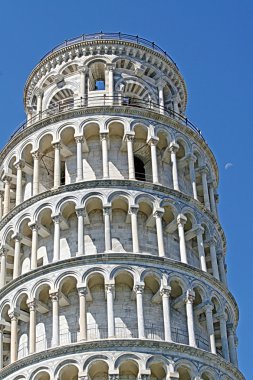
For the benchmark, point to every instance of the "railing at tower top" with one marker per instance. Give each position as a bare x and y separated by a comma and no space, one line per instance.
111,36
105,100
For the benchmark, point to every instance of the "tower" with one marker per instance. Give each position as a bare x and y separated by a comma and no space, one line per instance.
112,254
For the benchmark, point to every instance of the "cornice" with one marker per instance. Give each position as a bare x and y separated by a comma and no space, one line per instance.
111,183
115,110
174,350
131,259
76,51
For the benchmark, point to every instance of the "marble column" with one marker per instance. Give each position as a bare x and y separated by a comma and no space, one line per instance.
107,225
130,155
39,94
110,69
133,211
190,296
191,161
55,318
17,252
83,71
165,293
212,199
224,337
201,250
158,214
104,142
109,288
173,150
82,291
79,158
36,172
221,266
139,289
204,172
80,230
14,315
57,231
1,204
19,166
32,326
212,244
160,85
34,227
153,142
57,164
208,308
231,344
181,220
7,194
3,254
2,326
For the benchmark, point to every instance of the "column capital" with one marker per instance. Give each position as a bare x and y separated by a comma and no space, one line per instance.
161,83
109,288
181,219
165,291
33,226
212,241
230,328
220,255
191,158
36,154
129,136
203,169
110,66
107,209
153,140
54,295
139,288
32,304
190,296
222,317
56,218
199,229
6,178
82,290
3,251
104,135
14,314
208,307
173,148
133,209
79,139
17,236
80,211
56,144
38,92
20,164
83,69
158,213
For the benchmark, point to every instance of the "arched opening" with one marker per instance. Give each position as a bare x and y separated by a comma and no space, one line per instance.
96,308
69,241
94,226
68,312
125,312
139,169
45,234
23,348
92,156
128,370
170,233
6,335
118,163
97,76
27,172
191,241
61,101
121,242
43,375
178,313
68,156
147,228
154,328
184,373
26,244
98,370
157,372
69,372
43,318
46,163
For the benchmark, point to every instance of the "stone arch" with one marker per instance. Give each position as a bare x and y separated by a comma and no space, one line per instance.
94,358
64,364
42,373
125,357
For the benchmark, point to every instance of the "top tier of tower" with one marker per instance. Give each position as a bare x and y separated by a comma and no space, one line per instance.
111,68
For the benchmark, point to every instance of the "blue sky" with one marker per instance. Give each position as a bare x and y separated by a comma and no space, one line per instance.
211,41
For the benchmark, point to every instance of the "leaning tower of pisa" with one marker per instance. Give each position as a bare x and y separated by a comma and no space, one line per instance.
112,254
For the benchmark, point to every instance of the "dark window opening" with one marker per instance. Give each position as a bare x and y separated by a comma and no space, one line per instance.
63,173
139,169
100,84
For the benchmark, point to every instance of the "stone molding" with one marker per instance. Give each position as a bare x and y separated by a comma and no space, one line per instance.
173,350
130,258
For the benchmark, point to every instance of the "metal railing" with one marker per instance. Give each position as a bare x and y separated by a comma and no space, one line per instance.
111,36
107,101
